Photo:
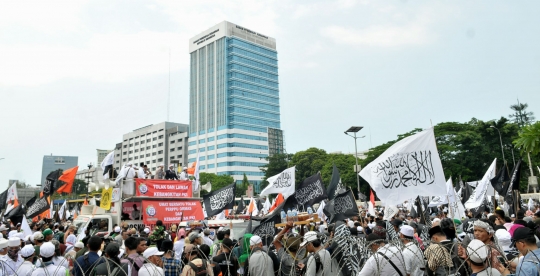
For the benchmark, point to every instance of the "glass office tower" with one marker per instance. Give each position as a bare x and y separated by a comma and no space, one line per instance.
234,102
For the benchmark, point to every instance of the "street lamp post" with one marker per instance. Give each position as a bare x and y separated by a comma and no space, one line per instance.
354,130
500,139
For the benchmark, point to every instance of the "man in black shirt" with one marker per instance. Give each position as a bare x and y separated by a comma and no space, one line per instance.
170,174
226,263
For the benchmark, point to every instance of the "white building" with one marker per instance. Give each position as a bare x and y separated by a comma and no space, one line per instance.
163,143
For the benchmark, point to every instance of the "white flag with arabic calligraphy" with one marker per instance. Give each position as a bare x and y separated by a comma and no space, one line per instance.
409,168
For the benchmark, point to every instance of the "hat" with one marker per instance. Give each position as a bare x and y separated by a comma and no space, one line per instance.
396,222
379,231
71,239
193,236
360,229
117,229
477,251
254,240
3,228
184,168
407,231
293,243
152,251
47,232
522,233
504,238
113,249
435,230
189,248
38,236
171,165
146,230
27,251
79,244
206,232
309,237
46,250
12,233
350,224
3,243
161,165
56,224
14,241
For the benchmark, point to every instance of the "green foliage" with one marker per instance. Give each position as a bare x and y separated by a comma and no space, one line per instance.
22,185
308,162
80,187
521,116
218,181
529,139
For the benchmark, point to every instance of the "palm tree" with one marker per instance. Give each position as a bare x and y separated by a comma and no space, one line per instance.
529,138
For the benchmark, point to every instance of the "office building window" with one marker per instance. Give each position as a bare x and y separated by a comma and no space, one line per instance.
180,140
148,140
154,154
172,149
148,147
172,157
154,146
179,148
160,137
160,145
160,152
125,146
136,150
148,155
130,159
131,145
160,160
179,156
172,141
136,157
154,139
124,160
136,143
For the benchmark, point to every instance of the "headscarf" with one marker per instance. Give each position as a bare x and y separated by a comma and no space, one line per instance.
246,251
485,226
70,242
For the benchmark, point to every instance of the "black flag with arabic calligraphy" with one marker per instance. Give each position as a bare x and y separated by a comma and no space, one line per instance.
217,201
310,191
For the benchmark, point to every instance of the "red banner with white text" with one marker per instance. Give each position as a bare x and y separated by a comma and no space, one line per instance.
164,188
171,211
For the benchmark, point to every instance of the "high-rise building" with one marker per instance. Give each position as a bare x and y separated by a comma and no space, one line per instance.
101,154
234,101
53,163
163,143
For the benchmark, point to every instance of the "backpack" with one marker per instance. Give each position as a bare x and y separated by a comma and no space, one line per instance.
133,263
318,263
199,270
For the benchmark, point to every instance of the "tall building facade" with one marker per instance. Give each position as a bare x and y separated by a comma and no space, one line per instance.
53,163
101,154
234,101
163,143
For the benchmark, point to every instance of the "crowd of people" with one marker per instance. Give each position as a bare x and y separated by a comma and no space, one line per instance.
493,243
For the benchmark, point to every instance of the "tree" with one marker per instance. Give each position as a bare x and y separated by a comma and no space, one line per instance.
529,139
308,163
276,164
217,181
80,186
521,116
22,185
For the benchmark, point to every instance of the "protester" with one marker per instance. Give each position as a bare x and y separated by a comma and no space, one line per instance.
261,263
171,266
414,259
179,244
525,242
86,263
111,265
477,258
133,246
319,262
27,267
48,268
386,260
48,234
225,262
195,264
287,252
439,258
13,260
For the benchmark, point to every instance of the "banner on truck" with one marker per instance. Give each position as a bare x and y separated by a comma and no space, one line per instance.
171,211
164,188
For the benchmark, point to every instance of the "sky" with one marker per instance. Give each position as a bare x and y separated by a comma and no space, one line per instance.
77,75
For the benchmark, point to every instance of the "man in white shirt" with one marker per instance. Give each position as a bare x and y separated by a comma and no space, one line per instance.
386,260
319,262
129,182
414,260
26,268
152,268
12,259
140,172
48,268
206,238
184,175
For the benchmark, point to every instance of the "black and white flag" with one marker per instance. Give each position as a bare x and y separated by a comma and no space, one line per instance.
281,183
343,206
50,182
408,168
479,194
3,199
333,188
219,200
267,227
500,181
311,191
41,205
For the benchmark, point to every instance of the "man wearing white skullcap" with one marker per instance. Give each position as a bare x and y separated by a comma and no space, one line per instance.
13,260
129,183
26,268
183,175
48,268
3,248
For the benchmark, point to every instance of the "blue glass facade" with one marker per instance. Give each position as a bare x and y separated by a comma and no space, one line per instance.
234,99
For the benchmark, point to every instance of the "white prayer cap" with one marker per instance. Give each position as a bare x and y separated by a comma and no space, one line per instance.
504,238
117,229
46,250
12,233
3,228
161,165
477,251
255,240
171,165
152,251
1,236
79,245
360,229
29,238
129,164
350,224
14,241
185,168
3,243
146,230
407,231
27,251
